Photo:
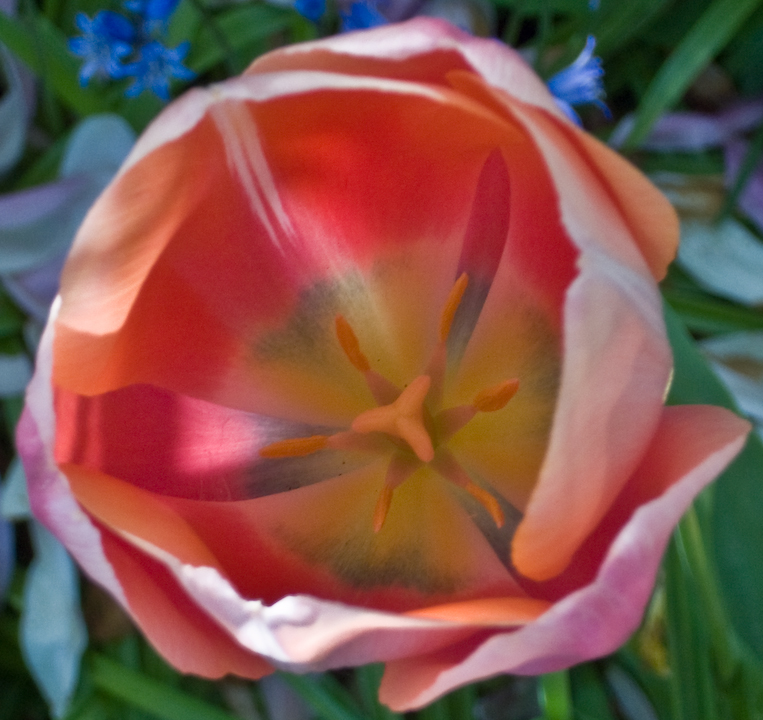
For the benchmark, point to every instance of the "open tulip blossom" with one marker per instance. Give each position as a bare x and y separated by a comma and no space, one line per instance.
361,358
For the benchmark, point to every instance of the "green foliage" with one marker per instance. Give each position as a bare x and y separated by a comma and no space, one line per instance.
711,32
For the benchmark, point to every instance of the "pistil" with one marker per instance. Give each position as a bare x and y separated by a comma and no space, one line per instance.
403,419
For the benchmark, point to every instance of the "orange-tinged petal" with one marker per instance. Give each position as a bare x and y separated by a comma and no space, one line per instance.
100,287
506,612
127,509
686,436
181,631
616,368
651,219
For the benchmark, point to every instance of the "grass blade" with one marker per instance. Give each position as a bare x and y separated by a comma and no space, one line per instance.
707,37
145,693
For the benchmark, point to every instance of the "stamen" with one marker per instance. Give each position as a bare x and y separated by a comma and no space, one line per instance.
399,470
451,305
404,419
448,422
447,466
294,447
382,508
383,390
495,398
484,498
349,342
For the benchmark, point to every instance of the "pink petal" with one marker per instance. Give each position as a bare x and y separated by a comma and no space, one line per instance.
49,493
423,50
615,372
651,220
175,625
303,633
180,631
691,446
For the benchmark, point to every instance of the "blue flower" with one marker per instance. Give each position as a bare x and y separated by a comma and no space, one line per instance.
105,40
311,9
580,83
152,16
154,68
362,15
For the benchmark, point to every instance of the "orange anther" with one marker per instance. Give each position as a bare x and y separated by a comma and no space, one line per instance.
496,397
382,507
451,305
349,342
294,447
484,498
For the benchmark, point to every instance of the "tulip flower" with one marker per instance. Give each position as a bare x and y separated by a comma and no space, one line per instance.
360,358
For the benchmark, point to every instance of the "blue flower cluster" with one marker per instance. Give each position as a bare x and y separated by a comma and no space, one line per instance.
113,45
311,9
361,15
580,83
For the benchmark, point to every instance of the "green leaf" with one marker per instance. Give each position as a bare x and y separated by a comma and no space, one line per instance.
575,7
624,22
742,59
555,697
688,643
436,711
707,37
241,28
710,162
11,318
144,693
708,315
738,537
589,694
461,702
737,530
367,680
42,46
325,695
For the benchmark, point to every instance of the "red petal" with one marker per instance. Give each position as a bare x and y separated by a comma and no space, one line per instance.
183,633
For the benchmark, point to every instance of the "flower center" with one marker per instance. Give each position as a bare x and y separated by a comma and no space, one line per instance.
403,419
406,418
